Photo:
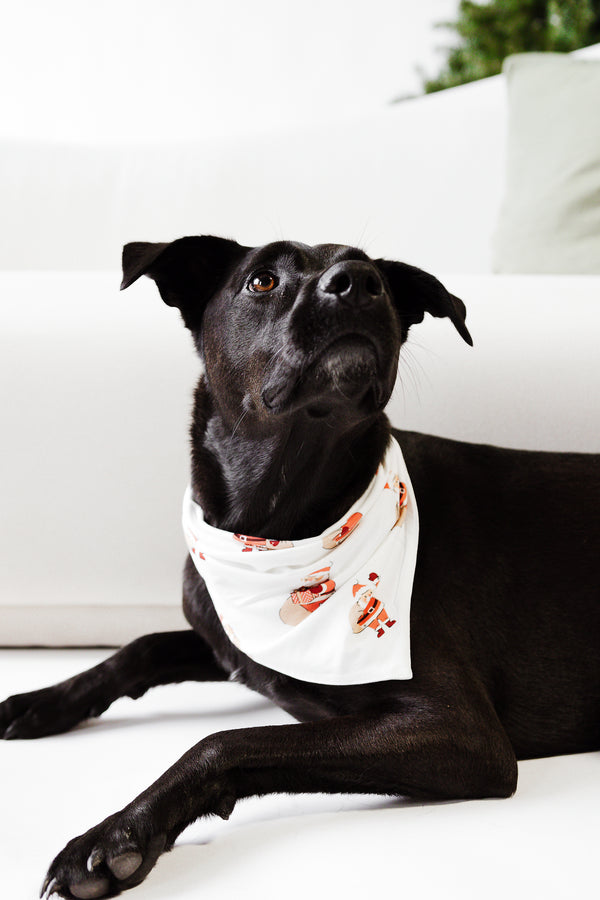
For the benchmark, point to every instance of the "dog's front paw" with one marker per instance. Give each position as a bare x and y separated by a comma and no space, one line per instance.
35,714
50,710
115,855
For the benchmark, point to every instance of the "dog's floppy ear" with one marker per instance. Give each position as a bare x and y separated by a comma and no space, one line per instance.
415,292
186,271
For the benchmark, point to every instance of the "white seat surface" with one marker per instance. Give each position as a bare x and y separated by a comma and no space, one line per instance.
541,843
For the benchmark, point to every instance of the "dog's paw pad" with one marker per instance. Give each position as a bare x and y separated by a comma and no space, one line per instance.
125,864
90,888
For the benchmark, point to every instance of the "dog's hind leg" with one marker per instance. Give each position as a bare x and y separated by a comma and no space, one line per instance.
146,662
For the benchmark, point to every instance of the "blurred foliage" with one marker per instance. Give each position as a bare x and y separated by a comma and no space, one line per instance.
489,32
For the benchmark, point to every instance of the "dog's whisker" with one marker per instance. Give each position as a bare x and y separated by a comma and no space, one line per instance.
413,343
238,423
411,362
399,389
362,238
413,380
405,368
272,359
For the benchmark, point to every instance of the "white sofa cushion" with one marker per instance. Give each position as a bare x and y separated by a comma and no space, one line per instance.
423,176
96,389
95,392
550,218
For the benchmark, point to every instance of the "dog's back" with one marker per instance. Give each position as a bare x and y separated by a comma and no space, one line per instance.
509,560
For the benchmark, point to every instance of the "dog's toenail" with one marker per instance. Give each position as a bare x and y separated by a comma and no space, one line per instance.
49,887
125,865
89,890
94,859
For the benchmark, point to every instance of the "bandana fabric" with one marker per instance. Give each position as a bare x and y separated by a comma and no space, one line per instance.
330,609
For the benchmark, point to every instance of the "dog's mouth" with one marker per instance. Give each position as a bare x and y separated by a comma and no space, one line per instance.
345,371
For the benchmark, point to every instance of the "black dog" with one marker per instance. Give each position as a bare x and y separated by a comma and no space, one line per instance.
300,347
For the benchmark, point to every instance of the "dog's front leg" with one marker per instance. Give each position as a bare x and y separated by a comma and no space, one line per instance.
442,757
148,661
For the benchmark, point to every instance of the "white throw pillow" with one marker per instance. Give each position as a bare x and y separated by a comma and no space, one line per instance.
550,218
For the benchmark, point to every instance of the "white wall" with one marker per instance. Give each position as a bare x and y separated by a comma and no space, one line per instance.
178,68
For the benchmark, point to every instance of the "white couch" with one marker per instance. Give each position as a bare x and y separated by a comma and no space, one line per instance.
92,376
96,395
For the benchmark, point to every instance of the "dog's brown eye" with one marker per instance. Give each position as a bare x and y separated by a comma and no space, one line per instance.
263,282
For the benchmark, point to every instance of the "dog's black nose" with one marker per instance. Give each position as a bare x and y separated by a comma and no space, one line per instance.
351,281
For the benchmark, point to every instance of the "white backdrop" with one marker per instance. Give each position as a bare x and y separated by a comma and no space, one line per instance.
127,68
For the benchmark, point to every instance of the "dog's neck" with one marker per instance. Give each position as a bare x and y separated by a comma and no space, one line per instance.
291,484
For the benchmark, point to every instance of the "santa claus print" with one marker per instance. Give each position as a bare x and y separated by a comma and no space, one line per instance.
368,611
335,538
317,588
401,497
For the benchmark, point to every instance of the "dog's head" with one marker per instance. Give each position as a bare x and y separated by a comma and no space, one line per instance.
288,327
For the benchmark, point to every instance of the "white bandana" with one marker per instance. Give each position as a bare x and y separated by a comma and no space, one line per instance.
331,609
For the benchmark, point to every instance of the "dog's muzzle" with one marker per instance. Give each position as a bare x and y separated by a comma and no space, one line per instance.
340,346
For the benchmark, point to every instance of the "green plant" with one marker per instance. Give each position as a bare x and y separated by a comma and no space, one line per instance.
491,31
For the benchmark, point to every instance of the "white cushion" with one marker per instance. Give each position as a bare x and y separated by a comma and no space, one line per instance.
95,390
550,218
419,179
